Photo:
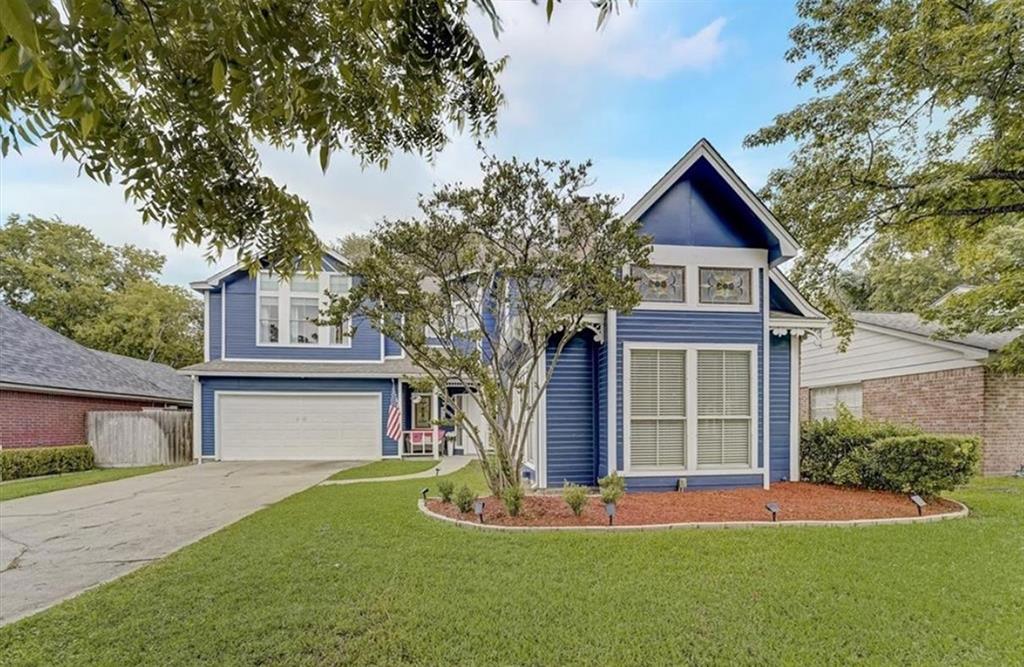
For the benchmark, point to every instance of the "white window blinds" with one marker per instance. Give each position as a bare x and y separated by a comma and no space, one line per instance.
657,408
723,408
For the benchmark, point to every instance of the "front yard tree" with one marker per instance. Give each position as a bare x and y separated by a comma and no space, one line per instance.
915,137
171,98
489,281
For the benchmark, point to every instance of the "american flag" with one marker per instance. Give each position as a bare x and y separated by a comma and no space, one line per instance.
394,417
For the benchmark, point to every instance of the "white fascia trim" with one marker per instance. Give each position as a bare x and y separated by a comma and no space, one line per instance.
206,326
215,279
59,391
969,351
612,371
703,148
795,322
794,295
691,407
765,383
794,408
218,393
197,419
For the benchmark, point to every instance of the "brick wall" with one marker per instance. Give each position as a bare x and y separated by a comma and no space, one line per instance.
940,402
28,419
1004,424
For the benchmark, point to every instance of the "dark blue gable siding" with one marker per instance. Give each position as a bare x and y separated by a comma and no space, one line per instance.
240,332
391,348
214,328
210,385
570,414
779,395
702,209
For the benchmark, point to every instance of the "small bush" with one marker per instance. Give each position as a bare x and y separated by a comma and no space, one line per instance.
513,499
922,464
36,461
612,487
446,488
824,444
575,497
464,499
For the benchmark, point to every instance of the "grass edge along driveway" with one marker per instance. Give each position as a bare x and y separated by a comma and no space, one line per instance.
30,486
355,575
387,468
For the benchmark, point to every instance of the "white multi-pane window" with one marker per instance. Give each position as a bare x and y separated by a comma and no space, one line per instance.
288,310
724,408
825,401
657,407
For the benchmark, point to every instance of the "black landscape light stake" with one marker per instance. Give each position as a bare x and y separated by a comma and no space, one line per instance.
423,492
774,509
919,501
609,509
478,507
437,471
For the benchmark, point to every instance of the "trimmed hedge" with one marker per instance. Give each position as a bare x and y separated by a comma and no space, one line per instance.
825,443
35,461
923,464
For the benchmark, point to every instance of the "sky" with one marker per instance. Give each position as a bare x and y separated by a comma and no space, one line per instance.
633,98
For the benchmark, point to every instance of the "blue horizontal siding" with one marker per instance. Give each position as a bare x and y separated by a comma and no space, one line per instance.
570,414
210,385
779,393
240,332
601,416
698,482
391,348
215,324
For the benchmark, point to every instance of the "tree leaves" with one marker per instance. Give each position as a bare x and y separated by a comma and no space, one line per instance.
217,75
17,21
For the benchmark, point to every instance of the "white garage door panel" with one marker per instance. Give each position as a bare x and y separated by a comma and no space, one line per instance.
325,427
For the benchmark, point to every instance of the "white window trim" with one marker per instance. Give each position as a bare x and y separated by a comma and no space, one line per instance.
692,259
834,407
690,469
284,296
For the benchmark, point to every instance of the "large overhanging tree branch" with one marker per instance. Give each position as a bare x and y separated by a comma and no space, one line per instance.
489,284
172,98
915,140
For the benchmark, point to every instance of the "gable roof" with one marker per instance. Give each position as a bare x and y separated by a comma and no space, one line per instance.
36,357
214,280
913,324
703,149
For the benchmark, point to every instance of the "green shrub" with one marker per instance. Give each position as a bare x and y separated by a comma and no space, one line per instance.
825,443
612,487
513,499
575,497
446,488
923,464
35,461
464,498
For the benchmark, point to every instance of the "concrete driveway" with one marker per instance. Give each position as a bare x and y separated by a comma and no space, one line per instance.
56,545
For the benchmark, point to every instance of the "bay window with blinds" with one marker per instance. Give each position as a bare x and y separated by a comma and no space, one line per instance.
689,408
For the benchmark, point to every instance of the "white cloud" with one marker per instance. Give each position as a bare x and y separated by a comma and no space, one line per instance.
669,53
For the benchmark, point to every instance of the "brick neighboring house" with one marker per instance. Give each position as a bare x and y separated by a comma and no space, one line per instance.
894,369
48,383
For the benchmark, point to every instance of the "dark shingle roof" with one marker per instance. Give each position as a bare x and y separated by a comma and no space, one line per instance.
36,356
913,324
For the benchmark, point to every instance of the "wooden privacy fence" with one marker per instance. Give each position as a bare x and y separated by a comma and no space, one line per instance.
148,437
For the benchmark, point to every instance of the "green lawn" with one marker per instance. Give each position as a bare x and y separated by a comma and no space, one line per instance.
356,575
18,488
387,468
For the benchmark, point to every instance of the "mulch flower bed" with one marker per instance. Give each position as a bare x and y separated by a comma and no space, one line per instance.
798,501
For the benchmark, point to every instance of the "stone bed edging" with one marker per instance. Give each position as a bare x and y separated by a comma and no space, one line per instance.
462,523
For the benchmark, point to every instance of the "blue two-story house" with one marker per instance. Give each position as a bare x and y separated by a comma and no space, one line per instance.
698,383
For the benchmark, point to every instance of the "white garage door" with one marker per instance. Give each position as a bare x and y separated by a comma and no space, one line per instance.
290,426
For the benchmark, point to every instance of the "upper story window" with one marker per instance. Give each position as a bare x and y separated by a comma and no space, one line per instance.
726,286
661,282
287,310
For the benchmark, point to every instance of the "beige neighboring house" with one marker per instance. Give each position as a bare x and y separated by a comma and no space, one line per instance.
895,369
